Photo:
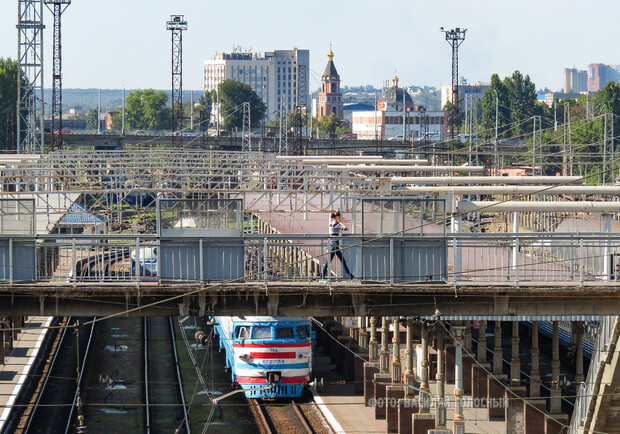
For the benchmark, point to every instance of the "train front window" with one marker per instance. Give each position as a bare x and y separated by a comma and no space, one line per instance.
284,333
302,332
261,332
243,333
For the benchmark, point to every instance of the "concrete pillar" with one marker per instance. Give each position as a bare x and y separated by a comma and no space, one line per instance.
363,334
555,401
534,416
498,355
479,383
425,390
396,365
373,343
467,338
554,423
515,362
409,377
381,381
370,369
458,426
406,408
579,377
440,410
482,341
384,356
421,423
535,373
514,409
496,396
393,394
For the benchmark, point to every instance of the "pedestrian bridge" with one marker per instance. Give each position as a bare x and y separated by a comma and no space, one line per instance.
395,274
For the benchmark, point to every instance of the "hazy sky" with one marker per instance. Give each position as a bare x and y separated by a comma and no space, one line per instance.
110,43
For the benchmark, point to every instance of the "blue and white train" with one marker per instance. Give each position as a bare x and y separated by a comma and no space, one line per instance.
269,357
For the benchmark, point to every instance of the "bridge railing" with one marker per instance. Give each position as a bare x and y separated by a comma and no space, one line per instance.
506,258
589,388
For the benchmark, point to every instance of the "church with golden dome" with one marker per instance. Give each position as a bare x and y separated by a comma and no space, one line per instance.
330,97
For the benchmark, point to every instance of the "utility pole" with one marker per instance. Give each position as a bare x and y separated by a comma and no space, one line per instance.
301,109
57,8
176,25
99,113
246,134
455,38
496,150
30,110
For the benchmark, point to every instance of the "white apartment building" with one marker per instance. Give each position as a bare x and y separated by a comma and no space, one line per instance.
274,77
472,92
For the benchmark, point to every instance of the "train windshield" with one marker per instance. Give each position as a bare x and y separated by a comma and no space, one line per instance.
284,333
242,333
261,332
302,332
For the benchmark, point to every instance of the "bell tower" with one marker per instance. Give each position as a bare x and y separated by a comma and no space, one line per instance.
330,97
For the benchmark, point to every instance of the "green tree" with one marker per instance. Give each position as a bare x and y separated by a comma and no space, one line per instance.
331,125
205,105
232,95
8,103
92,119
147,110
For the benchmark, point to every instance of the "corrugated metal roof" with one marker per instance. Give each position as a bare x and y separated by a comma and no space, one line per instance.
78,217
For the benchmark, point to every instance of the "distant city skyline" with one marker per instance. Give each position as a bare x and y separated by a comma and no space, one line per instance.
120,42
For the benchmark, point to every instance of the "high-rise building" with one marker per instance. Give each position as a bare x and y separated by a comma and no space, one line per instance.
599,75
575,81
471,92
274,77
330,97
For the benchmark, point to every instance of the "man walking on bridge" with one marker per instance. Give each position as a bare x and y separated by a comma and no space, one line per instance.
336,226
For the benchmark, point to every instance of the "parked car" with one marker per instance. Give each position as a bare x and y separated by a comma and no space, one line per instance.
349,136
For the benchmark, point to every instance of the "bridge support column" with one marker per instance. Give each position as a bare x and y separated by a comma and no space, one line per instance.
409,377
482,341
384,356
458,426
440,409
579,377
396,365
425,390
362,339
498,355
467,338
555,401
535,373
373,343
515,362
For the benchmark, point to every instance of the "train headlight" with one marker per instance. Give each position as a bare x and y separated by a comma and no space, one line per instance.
302,356
244,356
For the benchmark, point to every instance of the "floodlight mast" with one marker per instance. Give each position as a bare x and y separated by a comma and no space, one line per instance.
176,25
455,38
57,8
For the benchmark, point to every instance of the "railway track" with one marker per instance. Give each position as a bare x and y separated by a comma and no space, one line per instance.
165,408
46,414
287,417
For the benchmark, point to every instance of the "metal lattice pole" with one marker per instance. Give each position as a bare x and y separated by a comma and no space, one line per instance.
283,129
301,109
57,8
30,92
246,144
455,38
537,146
608,149
177,24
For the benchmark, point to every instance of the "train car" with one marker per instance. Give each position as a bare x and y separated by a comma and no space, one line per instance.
269,357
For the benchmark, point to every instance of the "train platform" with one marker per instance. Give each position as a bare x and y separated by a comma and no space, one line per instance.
18,362
352,416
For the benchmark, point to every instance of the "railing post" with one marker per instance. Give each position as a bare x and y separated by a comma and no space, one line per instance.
515,259
201,259
391,260
606,248
265,257
581,261
73,264
138,266
458,257
11,260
